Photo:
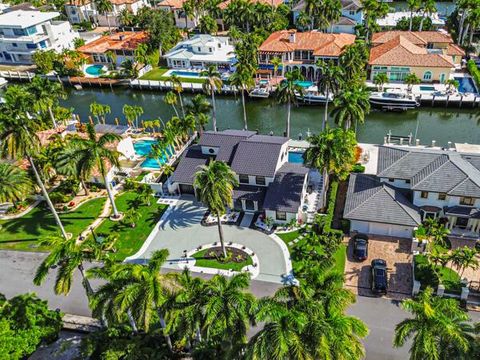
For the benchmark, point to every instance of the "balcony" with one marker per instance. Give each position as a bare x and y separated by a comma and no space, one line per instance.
464,233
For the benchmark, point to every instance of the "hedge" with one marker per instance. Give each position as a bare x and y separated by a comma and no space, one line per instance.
474,71
332,198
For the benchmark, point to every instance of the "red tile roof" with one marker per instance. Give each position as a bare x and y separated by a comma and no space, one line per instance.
321,44
127,40
85,2
174,4
415,37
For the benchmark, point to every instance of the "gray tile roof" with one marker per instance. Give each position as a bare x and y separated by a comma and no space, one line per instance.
284,193
466,211
226,141
189,164
250,192
370,200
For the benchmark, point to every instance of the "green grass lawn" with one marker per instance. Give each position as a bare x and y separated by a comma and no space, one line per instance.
212,263
340,257
23,233
157,75
130,240
447,276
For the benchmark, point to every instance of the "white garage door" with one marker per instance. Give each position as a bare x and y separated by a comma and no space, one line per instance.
389,230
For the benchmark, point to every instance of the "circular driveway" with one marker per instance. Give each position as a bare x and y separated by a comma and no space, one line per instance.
182,231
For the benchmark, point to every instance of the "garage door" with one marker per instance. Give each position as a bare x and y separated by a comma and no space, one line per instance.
186,189
389,230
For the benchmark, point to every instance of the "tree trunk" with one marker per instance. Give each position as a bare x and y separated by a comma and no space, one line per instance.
411,20
108,23
181,103
167,336
325,115
288,120
214,111
421,22
244,110
325,186
462,23
84,186
175,109
47,198
86,283
110,196
131,320
220,234
52,117
470,39
462,41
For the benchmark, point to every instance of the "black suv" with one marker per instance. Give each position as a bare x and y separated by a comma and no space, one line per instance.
360,247
379,276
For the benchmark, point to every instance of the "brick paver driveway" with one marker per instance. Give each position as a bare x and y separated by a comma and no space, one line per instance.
396,252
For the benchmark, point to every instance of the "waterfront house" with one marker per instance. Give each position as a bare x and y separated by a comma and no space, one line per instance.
200,51
267,181
84,10
122,44
352,15
431,55
392,18
302,50
413,184
24,32
176,8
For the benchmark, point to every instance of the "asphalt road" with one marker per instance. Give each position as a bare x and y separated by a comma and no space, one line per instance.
17,270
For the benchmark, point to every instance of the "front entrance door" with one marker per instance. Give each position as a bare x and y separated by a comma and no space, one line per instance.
461,222
249,205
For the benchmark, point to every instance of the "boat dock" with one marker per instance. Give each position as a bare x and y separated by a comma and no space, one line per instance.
167,85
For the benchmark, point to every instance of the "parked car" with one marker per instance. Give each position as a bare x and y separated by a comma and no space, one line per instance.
379,276
360,247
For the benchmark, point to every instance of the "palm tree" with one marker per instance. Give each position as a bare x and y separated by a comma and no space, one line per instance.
380,80
312,8
329,83
214,185
18,140
287,92
132,113
126,17
212,84
413,5
199,107
242,80
452,84
104,7
177,87
15,184
99,111
170,98
438,324
276,62
331,11
410,80
353,61
351,106
464,258
95,152
47,93
373,10
428,7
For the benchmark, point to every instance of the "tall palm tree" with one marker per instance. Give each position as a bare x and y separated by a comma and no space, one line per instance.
428,7
464,258
18,140
214,185
242,80
312,8
99,111
438,325
287,92
329,82
47,93
351,106
104,7
177,87
410,80
380,80
170,98
132,113
412,5
15,184
331,11
199,107
95,152
276,62
212,84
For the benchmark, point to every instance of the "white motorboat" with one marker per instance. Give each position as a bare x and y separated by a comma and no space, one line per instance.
313,97
260,92
3,82
393,99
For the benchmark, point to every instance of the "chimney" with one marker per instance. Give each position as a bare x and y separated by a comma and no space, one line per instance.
291,36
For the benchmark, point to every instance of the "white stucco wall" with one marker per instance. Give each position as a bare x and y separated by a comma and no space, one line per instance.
272,214
399,183
432,200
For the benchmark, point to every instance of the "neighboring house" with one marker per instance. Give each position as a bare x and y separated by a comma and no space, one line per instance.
352,15
267,181
84,10
302,50
413,184
176,8
201,51
431,55
122,44
391,20
24,32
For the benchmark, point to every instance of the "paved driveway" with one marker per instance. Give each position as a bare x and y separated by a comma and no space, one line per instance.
183,231
396,252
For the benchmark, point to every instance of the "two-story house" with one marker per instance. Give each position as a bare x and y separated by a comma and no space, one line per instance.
24,32
267,181
201,51
302,50
412,184
431,55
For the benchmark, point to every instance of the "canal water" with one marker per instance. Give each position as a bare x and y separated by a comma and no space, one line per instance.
440,124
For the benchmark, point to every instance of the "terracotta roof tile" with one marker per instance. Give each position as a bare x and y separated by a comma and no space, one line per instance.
85,2
416,37
454,49
174,4
126,40
321,44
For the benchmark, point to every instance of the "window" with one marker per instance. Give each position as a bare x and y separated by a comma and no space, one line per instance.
281,215
407,181
19,32
466,200
14,44
243,179
427,75
391,180
424,195
442,196
260,180
31,46
352,12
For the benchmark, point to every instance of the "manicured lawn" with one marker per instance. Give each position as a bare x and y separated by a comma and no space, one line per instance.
130,240
448,277
212,263
340,257
23,233
157,75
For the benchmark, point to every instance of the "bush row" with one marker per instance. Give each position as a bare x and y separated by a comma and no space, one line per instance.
474,71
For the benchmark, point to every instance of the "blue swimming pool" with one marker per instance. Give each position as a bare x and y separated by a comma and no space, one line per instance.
305,84
185,73
143,148
295,157
427,88
94,70
466,85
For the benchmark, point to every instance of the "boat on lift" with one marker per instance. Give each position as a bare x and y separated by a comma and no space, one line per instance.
259,92
393,99
312,96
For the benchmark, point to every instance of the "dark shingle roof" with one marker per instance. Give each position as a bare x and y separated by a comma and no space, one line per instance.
370,200
256,158
284,193
189,164
226,141
250,192
465,211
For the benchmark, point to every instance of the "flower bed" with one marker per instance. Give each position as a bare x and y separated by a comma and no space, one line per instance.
427,277
236,259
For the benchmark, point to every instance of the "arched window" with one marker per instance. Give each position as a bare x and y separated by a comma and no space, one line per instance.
427,75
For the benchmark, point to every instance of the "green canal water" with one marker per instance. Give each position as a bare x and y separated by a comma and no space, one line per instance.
440,124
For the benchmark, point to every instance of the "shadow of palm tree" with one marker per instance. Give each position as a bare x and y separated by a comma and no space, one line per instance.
185,214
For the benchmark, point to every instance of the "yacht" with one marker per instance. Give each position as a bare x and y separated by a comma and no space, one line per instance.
313,97
393,99
260,92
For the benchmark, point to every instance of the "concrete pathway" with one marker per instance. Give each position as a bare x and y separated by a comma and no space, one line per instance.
182,231
247,220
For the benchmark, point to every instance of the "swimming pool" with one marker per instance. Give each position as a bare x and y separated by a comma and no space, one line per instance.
185,73
305,84
295,157
143,148
466,85
427,88
94,70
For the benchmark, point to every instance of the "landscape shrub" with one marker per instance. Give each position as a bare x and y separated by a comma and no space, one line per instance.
58,197
358,168
474,71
